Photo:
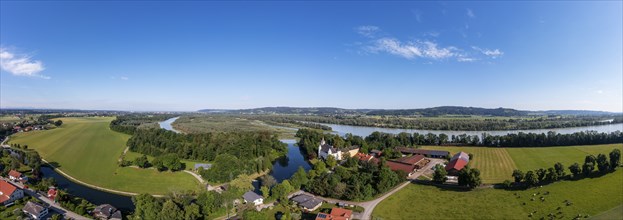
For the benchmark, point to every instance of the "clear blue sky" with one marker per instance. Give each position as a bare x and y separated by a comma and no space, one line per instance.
194,55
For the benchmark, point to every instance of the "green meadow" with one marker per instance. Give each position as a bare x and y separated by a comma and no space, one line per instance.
86,149
496,164
532,158
600,196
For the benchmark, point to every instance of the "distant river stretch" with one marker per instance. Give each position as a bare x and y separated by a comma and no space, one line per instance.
365,131
166,125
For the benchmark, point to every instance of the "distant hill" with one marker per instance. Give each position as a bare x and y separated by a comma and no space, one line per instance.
452,110
428,112
575,112
290,110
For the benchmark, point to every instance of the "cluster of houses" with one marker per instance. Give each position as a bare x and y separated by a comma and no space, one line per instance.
28,128
412,160
10,192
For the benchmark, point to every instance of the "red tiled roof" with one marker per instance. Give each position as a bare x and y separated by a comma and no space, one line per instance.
52,194
341,212
363,157
395,166
336,214
456,165
7,189
15,174
411,159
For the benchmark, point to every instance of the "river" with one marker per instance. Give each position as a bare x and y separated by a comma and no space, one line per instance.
365,131
285,167
94,196
167,124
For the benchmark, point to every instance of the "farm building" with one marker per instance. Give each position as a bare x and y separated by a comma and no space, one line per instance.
407,164
423,152
457,163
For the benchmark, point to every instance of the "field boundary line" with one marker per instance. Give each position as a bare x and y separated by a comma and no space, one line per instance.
124,193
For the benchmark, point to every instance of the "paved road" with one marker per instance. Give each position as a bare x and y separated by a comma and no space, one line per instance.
52,206
370,205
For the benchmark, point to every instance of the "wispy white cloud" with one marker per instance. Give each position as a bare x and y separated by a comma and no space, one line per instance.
488,52
411,49
20,65
418,15
421,48
470,13
124,78
466,59
368,30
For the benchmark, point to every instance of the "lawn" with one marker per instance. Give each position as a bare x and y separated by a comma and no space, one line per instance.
532,158
86,149
495,164
590,196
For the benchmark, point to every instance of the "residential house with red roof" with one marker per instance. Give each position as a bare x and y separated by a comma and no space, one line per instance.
17,176
336,214
9,192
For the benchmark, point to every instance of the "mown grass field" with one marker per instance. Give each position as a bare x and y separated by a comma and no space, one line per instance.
8,118
590,196
532,158
215,123
495,164
86,149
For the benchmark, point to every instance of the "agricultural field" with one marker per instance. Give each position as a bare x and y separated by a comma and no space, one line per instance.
532,158
9,118
495,164
436,203
86,149
217,123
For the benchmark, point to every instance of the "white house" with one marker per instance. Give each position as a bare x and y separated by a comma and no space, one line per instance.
35,210
325,150
9,193
251,197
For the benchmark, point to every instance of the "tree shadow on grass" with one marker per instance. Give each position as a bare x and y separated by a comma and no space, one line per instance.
53,164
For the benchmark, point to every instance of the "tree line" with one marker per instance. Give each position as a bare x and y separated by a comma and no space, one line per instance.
282,119
386,142
459,123
129,123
